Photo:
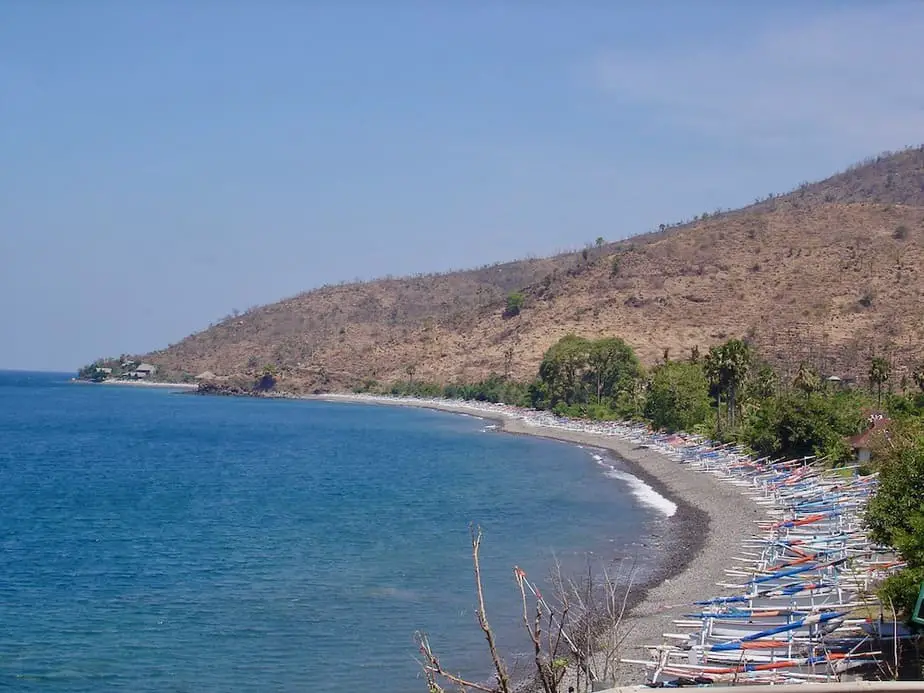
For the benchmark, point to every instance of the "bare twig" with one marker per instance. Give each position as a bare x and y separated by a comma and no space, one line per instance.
432,668
430,663
503,681
549,668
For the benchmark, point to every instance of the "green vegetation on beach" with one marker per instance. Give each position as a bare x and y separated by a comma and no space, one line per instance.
730,394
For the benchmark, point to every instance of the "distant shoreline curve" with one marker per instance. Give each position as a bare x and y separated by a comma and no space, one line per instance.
140,383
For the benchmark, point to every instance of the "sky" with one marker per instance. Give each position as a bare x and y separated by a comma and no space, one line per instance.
164,163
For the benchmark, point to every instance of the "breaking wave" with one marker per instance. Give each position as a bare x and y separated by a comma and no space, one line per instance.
638,488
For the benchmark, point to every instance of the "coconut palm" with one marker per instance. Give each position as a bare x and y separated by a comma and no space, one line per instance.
807,379
879,372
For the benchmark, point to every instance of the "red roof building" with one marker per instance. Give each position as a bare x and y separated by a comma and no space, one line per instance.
863,442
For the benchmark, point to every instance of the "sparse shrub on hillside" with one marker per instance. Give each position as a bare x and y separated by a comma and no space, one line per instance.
900,233
514,305
866,298
614,266
368,385
406,388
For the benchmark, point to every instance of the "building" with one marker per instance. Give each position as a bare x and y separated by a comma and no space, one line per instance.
144,370
863,443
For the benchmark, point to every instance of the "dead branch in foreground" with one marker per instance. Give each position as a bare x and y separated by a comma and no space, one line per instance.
431,664
575,643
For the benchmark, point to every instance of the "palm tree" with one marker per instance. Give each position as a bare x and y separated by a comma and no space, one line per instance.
727,368
764,383
738,365
879,372
713,365
918,377
807,379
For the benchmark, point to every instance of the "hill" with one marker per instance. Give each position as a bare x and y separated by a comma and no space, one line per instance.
828,273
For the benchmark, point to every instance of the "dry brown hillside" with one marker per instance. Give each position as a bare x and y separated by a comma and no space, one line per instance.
829,273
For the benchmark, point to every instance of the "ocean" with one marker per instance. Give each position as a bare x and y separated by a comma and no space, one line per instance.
156,541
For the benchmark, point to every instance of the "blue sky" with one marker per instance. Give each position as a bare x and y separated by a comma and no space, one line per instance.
166,162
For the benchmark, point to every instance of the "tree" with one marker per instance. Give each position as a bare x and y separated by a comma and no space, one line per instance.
578,371
508,361
895,514
807,379
794,425
613,367
918,377
515,303
879,372
727,367
678,396
599,242
764,383
561,370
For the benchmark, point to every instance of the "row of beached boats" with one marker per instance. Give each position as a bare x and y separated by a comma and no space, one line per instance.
798,602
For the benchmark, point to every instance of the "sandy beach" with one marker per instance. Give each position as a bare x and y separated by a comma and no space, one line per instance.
711,521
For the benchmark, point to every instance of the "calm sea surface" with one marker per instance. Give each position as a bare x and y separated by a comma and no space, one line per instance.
152,541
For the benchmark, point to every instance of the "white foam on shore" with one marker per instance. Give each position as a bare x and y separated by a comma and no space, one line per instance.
638,488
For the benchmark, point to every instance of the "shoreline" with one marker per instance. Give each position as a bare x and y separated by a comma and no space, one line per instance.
140,383
710,520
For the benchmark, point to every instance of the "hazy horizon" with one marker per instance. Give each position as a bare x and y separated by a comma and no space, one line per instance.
167,164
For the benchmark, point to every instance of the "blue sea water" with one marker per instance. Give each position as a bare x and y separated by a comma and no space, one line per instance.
152,541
